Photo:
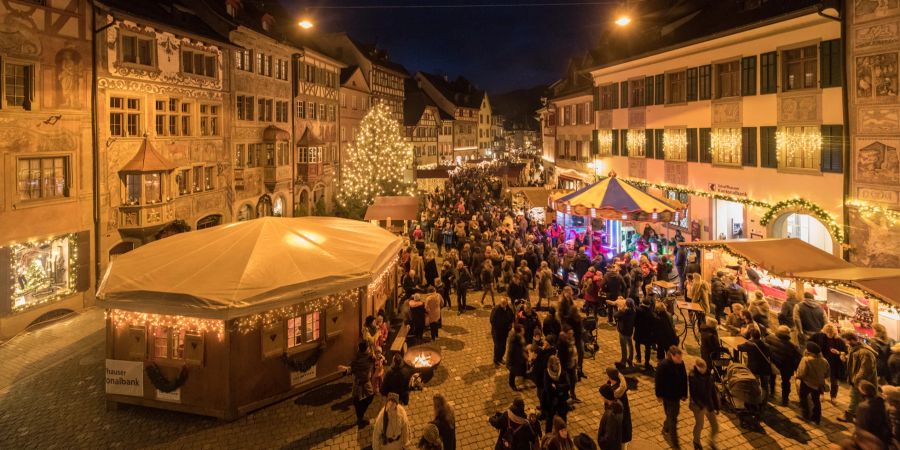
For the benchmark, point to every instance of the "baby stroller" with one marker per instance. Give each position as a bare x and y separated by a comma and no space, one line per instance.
742,393
589,336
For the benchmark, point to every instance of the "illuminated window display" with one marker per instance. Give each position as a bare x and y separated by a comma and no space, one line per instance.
42,271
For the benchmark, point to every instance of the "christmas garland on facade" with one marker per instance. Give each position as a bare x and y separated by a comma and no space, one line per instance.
162,383
836,231
301,365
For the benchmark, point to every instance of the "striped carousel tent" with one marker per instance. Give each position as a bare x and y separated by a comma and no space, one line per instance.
612,198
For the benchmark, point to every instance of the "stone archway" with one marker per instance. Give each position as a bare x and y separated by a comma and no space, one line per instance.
798,223
302,208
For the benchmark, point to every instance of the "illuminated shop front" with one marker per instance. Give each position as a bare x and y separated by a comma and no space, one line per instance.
42,271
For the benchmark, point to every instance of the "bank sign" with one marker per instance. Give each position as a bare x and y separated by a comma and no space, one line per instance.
125,377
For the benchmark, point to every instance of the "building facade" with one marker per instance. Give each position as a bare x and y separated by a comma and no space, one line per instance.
355,101
46,197
572,101
485,138
163,92
460,101
733,125
317,101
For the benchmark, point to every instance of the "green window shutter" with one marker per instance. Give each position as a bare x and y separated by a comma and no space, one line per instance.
596,98
615,143
648,91
768,156
768,73
648,143
830,70
748,146
705,74
83,271
623,98
615,95
661,89
748,75
705,145
692,144
595,142
692,84
660,151
832,148
624,142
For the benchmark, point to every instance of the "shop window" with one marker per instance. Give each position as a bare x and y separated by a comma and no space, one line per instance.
124,116
18,82
137,50
42,178
799,69
682,218
303,329
42,271
278,207
728,79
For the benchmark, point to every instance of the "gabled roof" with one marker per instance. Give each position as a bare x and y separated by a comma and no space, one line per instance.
414,103
273,133
696,20
147,159
309,139
177,14
378,56
461,92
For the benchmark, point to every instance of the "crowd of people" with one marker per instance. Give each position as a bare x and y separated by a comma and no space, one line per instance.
541,324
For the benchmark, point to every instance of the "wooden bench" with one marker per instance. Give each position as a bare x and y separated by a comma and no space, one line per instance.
399,342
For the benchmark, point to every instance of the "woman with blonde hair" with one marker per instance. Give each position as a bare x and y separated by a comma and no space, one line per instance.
699,294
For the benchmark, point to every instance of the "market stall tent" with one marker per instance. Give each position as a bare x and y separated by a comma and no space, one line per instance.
612,198
228,319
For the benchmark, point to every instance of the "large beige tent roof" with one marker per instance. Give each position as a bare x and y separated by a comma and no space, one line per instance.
248,267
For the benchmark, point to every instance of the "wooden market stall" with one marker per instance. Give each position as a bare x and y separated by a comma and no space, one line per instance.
226,320
394,212
777,264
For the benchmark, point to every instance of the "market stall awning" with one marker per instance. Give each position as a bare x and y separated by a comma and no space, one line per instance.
248,267
612,198
573,174
794,258
394,208
537,197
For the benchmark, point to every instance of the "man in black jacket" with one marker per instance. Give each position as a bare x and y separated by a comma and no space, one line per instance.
625,326
671,390
786,357
463,279
502,318
719,295
581,264
613,287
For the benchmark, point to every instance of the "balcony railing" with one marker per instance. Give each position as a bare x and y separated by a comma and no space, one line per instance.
136,217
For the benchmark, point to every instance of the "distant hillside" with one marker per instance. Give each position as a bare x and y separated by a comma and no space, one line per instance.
519,106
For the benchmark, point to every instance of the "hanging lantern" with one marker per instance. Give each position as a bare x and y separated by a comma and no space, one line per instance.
594,213
655,215
624,216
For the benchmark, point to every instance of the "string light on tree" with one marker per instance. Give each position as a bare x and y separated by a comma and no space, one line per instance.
376,161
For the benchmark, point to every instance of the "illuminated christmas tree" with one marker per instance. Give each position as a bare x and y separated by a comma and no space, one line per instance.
376,162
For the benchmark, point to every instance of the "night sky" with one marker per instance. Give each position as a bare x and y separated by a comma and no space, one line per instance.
498,48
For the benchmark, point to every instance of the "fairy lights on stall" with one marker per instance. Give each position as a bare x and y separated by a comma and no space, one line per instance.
266,319
122,318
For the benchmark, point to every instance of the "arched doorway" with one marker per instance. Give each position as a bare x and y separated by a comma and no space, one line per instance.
209,221
804,227
264,206
302,208
278,207
245,213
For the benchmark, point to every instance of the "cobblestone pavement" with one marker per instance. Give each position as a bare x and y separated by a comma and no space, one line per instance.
58,402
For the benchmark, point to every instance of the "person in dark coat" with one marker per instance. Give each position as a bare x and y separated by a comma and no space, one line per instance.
529,320
664,331
758,358
718,295
871,414
786,315
619,386
517,430
551,325
736,293
502,318
396,380
516,361
625,317
545,349
417,315
581,264
609,433
644,324
671,390
681,265
463,280
704,402
832,347
516,290
709,340
786,357
363,391
809,316
447,279
554,402
445,421
614,287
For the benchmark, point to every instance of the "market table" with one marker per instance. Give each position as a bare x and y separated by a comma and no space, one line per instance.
732,343
690,320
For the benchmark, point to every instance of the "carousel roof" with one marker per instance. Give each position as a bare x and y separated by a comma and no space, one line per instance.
248,267
612,198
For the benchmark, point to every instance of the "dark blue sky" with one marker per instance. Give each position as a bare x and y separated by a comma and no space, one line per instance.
498,48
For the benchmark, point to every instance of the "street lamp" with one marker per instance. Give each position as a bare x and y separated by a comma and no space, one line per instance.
623,20
305,24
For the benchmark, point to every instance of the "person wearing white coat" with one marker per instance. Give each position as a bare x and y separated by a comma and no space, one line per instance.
391,431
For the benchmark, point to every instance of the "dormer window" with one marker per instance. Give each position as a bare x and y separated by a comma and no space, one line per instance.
268,22
232,7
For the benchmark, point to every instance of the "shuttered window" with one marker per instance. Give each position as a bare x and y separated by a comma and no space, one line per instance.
623,94
768,73
705,145
748,75
661,89
595,143
658,144
830,70
832,148
624,142
648,91
649,147
692,145
596,98
705,73
748,146
692,84
615,142
768,156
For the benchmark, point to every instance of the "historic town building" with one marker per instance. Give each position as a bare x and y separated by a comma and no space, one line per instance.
163,90
572,109
355,100
732,118
421,122
485,138
460,100
46,197
318,79
384,77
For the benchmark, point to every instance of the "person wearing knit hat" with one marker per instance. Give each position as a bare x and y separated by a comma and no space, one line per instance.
431,439
871,414
391,430
609,433
812,373
786,357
